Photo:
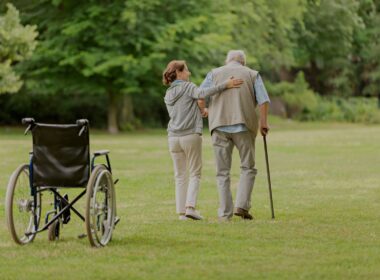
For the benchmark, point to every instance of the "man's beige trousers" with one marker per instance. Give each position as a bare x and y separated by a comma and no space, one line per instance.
186,152
223,145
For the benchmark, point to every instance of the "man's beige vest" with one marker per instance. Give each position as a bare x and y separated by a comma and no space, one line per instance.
236,105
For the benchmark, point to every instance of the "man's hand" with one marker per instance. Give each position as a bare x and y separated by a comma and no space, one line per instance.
202,108
204,112
264,127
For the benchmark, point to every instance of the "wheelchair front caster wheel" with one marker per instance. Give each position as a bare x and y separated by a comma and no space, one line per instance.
53,231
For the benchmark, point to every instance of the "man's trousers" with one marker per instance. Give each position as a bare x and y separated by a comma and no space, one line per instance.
223,144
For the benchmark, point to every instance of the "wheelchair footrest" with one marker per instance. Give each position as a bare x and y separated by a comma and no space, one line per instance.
82,235
117,220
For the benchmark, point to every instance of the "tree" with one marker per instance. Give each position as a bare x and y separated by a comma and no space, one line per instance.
325,45
17,43
367,50
263,29
117,48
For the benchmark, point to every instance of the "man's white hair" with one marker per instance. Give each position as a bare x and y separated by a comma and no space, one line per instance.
236,55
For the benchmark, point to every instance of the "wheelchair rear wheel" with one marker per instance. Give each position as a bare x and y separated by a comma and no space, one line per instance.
100,207
23,210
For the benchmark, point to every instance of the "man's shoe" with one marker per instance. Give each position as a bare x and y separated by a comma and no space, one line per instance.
193,214
243,213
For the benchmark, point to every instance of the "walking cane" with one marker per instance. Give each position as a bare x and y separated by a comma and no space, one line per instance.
268,175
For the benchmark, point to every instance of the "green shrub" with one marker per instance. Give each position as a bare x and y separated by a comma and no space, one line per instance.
355,109
304,104
299,99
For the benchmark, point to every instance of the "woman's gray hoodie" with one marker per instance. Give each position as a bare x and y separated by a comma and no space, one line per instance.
181,102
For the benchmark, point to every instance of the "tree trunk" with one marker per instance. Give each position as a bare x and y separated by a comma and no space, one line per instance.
285,74
112,113
311,75
126,116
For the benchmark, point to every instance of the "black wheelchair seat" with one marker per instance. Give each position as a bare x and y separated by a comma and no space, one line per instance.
61,157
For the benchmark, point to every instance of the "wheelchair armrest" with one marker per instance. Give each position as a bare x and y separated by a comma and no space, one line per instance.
101,153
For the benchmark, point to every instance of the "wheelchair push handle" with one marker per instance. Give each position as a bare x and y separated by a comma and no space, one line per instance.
83,123
28,121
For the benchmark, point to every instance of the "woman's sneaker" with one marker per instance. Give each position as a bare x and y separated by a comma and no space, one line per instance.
183,218
193,214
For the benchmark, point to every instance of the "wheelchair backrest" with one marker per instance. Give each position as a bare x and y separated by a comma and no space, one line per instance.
61,157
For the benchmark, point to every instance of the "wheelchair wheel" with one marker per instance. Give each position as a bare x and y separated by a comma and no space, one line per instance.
21,210
53,231
100,207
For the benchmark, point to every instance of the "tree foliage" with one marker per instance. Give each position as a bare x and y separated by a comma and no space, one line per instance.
263,29
17,43
325,44
118,49
367,50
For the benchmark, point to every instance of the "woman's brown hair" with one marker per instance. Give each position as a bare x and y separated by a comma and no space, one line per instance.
170,74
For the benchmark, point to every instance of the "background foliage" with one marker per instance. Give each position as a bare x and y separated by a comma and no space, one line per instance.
17,42
112,53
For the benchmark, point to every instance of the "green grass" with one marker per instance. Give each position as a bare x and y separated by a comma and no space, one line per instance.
326,187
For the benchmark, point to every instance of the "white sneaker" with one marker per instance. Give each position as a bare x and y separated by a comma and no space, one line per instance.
183,218
193,214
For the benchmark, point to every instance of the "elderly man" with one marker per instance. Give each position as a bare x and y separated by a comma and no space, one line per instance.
233,122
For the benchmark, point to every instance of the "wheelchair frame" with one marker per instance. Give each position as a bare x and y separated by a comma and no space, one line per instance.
100,182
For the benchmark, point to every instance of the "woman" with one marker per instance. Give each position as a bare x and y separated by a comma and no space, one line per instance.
185,130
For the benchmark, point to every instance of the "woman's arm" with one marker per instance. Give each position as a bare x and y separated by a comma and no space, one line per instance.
200,93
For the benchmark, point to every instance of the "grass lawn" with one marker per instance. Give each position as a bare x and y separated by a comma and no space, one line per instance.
326,188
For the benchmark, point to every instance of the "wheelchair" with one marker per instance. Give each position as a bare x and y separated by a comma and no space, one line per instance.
61,159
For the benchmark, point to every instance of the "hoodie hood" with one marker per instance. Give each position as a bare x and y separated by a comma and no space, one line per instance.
173,93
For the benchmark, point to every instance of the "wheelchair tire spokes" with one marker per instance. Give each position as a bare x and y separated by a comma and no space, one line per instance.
100,207
21,211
